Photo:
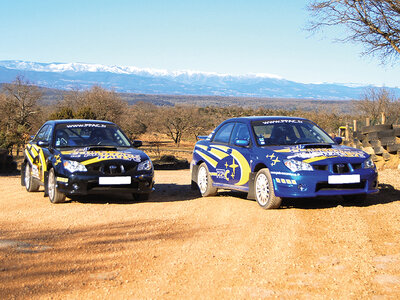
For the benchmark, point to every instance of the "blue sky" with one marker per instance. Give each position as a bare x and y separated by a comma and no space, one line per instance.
236,37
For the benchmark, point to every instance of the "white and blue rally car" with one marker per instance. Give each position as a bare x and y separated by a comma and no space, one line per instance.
275,157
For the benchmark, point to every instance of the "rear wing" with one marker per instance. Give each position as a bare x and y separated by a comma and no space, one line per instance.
202,137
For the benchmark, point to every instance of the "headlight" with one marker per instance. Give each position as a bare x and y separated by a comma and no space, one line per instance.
145,165
368,163
74,166
296,165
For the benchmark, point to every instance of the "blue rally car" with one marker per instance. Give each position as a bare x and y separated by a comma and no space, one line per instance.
275,157
80,157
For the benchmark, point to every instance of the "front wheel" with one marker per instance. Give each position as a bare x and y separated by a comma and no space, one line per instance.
264,190
30,183
204,182
54,195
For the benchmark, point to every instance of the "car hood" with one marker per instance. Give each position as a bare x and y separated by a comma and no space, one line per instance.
91,155
317,152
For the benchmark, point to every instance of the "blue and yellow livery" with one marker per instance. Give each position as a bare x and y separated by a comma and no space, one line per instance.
79,157
275,157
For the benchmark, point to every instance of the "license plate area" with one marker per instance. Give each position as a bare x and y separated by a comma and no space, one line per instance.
115,180
343,179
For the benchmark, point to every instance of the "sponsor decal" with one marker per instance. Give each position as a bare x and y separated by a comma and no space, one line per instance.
315,154
86,125
282,121
284,173
105,155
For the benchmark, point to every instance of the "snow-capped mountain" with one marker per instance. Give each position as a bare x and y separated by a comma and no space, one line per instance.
153,81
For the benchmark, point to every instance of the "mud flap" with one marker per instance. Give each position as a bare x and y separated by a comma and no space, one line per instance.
46,180
23,173
195,170
251,195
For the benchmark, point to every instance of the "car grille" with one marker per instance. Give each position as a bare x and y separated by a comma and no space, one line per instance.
111,168
340,168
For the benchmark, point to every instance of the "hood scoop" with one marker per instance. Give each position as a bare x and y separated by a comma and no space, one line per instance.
101,148
320,146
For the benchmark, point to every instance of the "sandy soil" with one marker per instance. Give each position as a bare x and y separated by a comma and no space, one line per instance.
178,245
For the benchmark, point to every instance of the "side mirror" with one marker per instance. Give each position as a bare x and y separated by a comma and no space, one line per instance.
338,140
43,143
136,143
242,143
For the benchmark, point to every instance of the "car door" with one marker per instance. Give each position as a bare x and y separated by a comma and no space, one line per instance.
38,152
230,146
240,145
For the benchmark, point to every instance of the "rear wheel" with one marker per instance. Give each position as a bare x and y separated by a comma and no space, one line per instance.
54,195
204,182
264,190
31,184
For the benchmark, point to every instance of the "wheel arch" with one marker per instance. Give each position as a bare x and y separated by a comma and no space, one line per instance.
251,195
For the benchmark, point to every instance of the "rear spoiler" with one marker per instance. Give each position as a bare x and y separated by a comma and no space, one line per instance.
202,137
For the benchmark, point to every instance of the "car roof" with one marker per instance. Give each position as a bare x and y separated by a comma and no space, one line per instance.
69,121
263,118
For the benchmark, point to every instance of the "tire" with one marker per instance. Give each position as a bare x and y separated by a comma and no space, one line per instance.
358,198
264,190
204,182
54,195
31,184
141,197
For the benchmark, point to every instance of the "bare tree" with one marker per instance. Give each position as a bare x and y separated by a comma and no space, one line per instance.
378,101
176,121
18,108
374,23
21,101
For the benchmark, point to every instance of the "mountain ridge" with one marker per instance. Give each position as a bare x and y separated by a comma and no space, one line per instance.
129,79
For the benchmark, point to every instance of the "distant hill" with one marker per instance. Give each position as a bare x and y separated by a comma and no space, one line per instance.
66,76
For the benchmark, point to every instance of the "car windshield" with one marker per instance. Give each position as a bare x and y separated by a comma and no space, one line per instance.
89,134
289,132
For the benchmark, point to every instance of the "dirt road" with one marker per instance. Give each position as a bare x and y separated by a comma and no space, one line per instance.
180,245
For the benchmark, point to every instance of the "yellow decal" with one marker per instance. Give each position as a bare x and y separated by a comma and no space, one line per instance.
58,159
244,167
318,158
273,159
210,160
62,179
221,155
233,166
202,147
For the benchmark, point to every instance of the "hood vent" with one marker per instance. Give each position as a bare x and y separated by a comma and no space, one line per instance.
313,146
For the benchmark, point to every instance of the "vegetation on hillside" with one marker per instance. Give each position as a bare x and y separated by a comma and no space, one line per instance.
23,110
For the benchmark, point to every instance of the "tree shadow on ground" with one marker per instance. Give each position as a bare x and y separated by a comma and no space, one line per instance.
37,263
164,192
387,194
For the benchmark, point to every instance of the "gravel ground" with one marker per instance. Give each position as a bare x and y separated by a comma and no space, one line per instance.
180,245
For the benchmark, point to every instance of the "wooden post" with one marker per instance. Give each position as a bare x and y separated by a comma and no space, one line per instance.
367,122
347,132
383,118
354,125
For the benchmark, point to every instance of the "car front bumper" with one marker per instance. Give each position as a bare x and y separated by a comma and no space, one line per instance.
316,183
78,184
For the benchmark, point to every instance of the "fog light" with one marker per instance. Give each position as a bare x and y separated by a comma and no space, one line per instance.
75,186
302,187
